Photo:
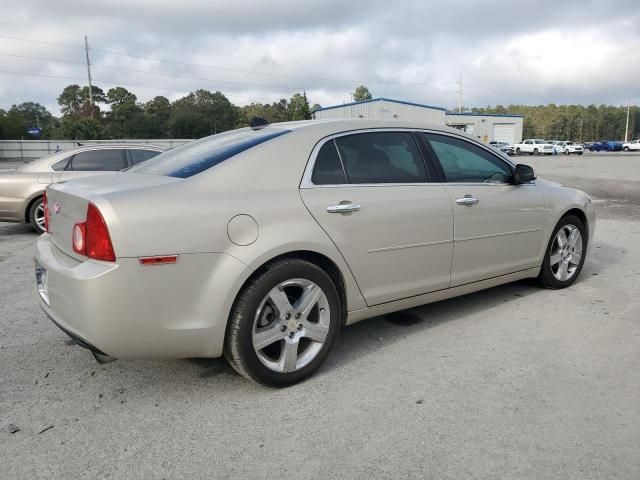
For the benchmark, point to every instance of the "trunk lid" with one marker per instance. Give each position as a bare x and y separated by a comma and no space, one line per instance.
68,202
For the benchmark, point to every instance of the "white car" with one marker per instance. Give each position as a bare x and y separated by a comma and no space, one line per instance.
631,146
534,146
260,244
569,147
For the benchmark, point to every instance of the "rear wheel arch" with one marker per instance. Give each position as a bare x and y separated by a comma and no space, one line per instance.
318,259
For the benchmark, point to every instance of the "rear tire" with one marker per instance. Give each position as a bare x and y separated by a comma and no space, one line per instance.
565,254
36,215
518,152
535,151
270,339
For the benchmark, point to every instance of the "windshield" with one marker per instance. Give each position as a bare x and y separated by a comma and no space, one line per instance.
195,157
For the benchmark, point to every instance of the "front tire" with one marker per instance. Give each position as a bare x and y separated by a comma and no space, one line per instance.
626,149
565,254
283,324
36,215
567,152
518,152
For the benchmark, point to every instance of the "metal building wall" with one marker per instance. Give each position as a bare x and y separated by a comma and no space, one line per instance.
483,124
383,110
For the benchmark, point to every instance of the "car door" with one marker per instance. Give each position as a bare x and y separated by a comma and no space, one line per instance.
498,226
93,162
371,193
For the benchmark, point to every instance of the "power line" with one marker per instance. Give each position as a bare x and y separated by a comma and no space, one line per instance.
109,82
218,67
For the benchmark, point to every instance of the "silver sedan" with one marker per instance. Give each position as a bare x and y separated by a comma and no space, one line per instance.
259,244
21,189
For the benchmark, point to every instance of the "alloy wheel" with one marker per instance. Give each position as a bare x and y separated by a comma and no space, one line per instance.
39,216
291,325
566,252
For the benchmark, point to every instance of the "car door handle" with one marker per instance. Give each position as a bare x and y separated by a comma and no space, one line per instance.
467,200
343,208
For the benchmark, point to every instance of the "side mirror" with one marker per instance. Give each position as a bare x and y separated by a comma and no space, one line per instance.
523,173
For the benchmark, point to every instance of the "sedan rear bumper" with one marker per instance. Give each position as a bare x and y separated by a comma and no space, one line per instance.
128,311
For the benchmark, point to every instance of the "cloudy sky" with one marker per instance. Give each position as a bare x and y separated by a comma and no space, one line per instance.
507,51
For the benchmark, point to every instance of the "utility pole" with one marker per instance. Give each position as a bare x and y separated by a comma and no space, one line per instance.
460,95
626,130
86,51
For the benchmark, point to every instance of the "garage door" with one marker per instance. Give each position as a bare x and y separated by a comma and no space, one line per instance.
504,132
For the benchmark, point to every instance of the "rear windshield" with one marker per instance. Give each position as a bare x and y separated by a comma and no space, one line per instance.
195,157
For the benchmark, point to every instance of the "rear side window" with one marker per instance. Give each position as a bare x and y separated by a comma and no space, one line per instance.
139,156
382,157
61,165
195,157
107,160
328,168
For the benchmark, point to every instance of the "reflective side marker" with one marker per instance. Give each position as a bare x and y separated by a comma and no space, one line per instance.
164,260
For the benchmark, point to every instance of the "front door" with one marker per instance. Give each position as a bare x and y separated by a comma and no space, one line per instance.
371,193
498,226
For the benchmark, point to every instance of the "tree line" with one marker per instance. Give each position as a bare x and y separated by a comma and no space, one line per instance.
198,114
573,122
117,113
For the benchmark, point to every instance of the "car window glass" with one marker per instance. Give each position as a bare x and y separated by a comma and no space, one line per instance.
107,160
382,157
328,168
138,156
465,162
61,165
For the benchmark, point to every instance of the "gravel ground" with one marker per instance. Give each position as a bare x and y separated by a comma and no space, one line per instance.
513,382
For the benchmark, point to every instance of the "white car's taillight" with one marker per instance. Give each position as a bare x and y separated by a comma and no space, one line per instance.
91,237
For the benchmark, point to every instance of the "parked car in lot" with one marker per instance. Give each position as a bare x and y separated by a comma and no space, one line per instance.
534,146
569,147
21,189
259,244
633,145
503,147
606,146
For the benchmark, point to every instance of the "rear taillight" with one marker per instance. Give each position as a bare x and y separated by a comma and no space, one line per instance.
46,211
91,237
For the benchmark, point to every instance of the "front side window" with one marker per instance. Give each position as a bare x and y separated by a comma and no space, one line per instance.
381,157
463,162
107,160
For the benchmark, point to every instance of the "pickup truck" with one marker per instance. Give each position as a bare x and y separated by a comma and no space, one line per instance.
534,146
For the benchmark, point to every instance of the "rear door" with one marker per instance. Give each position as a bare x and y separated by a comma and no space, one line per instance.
371,192
498,226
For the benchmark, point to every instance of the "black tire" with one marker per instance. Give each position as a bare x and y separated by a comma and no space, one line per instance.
535,151
580,153
518,152
626,149
32,215
567,152
238,349
546,277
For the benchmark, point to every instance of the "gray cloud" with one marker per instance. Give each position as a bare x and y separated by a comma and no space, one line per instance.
508,52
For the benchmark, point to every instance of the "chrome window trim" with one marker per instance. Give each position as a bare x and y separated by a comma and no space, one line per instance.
306,177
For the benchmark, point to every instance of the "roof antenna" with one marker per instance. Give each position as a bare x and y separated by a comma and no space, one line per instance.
256,123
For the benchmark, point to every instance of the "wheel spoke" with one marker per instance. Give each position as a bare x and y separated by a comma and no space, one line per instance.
268,335
280,300
576,257
555,259
563,271
315,331
307,300
562,238
289,356
573,237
